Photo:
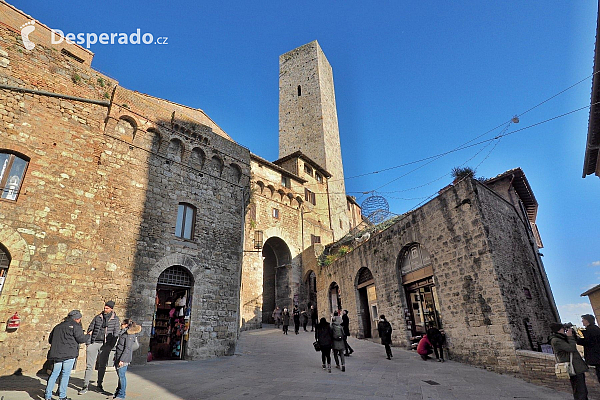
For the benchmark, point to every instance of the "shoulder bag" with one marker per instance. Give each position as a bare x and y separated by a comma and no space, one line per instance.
564,370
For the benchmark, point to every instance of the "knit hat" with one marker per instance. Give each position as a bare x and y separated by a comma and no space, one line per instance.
556,326
110,304
75,314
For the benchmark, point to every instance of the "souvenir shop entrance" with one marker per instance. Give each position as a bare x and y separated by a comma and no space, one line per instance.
170,328
422,306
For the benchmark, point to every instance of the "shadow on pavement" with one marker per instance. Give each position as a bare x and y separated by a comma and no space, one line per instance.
22,383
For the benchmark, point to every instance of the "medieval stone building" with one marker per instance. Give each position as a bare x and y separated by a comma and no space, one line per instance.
110,194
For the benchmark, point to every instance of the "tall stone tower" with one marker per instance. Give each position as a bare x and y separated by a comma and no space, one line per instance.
308,122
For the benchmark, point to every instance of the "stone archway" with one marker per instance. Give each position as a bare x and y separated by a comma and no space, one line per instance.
334,296
18,250
277,262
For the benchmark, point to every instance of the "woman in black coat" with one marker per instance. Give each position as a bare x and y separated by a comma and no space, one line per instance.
385,333
324,336
590,342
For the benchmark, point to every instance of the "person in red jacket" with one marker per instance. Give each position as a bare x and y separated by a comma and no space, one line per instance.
424,348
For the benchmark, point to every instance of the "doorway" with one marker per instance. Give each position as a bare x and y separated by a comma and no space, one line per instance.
276,288
368,311
335,300
423,306
172,312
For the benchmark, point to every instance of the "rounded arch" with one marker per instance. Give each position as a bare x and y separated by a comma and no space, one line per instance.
175,149
215,165
272,190
14,253
197,157
261,186
281,193
236,172
277,259
153,140
412,257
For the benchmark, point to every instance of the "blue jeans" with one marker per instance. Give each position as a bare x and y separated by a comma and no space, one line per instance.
120,392
62,368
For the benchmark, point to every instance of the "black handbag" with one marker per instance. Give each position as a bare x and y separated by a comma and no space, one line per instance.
317,346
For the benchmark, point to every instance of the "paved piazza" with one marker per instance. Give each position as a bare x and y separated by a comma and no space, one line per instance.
270,365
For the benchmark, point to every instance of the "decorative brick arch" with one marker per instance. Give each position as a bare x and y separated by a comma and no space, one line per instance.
19,253
175,259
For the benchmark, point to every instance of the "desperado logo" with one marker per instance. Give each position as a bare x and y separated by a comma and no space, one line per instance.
90,38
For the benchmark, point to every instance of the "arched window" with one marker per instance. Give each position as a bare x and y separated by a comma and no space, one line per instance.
4,263
299,90
126,128
186,220
176,276
12,172
175,149
415,257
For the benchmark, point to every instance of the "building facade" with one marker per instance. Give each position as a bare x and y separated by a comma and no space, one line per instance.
110,194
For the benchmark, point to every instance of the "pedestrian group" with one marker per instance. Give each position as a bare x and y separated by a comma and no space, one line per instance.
104,333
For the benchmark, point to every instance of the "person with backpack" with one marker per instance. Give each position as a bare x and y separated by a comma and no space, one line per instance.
126,345
324,336
338,341
385,333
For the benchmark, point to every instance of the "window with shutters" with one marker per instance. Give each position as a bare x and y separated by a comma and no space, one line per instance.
310,197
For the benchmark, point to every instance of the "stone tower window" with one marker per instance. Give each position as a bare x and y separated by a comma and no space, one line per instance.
319,177
285,181
299,90
12,172
186,220
276,213
4,263
308,170
310,197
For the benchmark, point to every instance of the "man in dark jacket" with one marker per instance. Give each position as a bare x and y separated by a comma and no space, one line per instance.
313,318
346,327
385,333
64,348
591,342
296,315
103,330
564,346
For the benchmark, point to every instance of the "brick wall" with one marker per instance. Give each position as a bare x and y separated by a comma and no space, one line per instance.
538,368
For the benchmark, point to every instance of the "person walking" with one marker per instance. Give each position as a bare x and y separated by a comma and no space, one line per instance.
296,314
338,346
124,353
385,333
103,331
304,319
286,320
346,326
564,346
313,318
436,338
590,342
277,317
324,336
64,348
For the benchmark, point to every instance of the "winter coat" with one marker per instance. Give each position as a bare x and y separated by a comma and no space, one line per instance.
277,314
296,316
563,345
304,317
124,348
286,318
313,314
424,346
108,334
65,339
385,332
336,326
324,335
346,324
591,344
435,337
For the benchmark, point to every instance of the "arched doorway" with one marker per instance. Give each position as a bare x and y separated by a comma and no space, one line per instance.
277,259
416,272
308,292
4,264
335,299
170,328
367,297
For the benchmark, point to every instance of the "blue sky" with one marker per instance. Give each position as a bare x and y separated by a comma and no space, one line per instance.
413,79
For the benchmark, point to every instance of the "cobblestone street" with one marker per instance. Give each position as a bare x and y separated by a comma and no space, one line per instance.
269,365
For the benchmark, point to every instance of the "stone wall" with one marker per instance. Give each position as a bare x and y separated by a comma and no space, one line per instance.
471,276
95,219
538,368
